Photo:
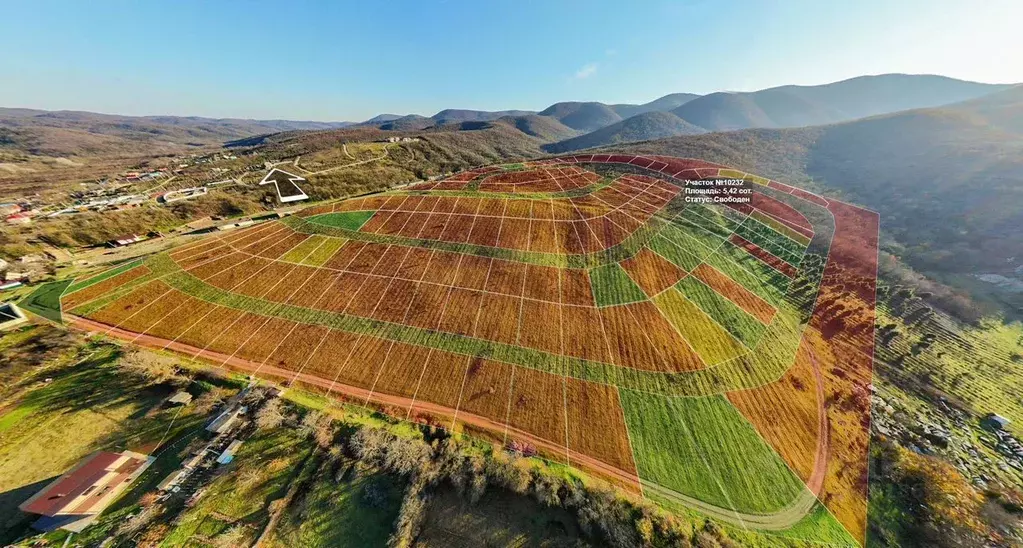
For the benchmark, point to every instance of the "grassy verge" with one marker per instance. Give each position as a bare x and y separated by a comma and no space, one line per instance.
77,285
45,300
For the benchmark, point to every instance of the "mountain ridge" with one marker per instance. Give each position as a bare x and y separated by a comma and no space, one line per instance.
79,132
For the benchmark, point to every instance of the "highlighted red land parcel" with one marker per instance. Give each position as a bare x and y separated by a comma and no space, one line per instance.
694,354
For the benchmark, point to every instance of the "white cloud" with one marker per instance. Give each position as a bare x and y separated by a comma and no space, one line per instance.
586,71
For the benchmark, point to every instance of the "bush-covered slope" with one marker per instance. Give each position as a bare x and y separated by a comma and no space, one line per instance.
649,125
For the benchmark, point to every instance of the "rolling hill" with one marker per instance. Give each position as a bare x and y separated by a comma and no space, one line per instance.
730,111
381,118
1003,110
666,103
453,115
545,128
588,116
61,133
784,106
649,125
411,122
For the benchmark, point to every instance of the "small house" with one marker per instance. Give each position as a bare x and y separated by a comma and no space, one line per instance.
125,240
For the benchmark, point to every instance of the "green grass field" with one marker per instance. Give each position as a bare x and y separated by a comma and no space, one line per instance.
740,324
262,470
712,342
612,285
349,220
703,448
674,253
45,300
89,405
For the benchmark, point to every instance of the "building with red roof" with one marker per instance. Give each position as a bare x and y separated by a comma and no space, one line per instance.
74,500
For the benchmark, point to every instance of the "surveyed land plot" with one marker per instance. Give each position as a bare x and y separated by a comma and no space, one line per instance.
578,304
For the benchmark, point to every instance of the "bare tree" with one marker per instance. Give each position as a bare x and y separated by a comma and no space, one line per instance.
138,522
320,426
271,415
410,517
150,365
210,399
235,536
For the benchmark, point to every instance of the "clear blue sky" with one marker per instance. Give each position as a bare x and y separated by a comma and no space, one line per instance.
328,60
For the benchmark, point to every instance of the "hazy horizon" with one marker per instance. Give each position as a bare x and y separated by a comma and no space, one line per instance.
326,62
428,114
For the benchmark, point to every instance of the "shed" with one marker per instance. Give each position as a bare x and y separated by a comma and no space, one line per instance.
228,454
194,461
172,480
180,398
225,421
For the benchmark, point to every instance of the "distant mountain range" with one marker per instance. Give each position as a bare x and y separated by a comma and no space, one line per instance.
779,107
561,127
67,132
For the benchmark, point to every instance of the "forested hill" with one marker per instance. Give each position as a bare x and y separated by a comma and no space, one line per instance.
947,182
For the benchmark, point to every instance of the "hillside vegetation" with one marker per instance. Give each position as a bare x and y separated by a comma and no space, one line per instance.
66,133
649,125
582,116
945,181
662,104
453,115
542,127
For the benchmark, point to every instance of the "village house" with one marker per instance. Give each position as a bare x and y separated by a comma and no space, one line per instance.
73,501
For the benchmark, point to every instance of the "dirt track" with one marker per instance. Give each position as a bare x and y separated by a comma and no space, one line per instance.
625,479
775,521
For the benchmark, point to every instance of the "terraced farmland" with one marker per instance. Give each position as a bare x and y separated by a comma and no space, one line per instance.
713,356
